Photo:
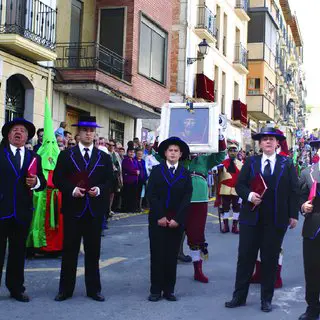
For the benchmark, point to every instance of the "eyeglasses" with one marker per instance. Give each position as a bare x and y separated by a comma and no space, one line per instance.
111,145
71,144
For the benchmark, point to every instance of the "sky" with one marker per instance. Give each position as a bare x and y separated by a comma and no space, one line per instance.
308,13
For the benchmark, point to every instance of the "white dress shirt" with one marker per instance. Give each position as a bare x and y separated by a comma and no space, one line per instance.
264,162
172,165
22,153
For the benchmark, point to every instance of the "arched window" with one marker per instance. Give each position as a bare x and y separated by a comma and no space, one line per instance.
15,99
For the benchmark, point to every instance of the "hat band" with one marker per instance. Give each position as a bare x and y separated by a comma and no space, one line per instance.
87,124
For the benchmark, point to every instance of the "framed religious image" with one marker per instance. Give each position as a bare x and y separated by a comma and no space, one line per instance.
198,127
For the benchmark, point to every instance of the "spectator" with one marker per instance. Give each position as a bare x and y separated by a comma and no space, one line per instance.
40,139
61,146
102,145
60,130
71,143
28,146
136,143
67,136
102,141
60,139
142,178
77,138
130,174
121,153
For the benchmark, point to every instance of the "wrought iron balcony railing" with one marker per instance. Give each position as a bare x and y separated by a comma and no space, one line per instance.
241,55
92,55
242,4
31,19
206,20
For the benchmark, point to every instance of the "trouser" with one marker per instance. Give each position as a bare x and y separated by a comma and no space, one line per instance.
130,197
88,228
164,249
311,260
16,234
268,239
227,201
195,224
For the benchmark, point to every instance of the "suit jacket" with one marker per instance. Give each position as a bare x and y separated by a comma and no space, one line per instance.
311,226
167,193
129,171
16,199
71,171
286,195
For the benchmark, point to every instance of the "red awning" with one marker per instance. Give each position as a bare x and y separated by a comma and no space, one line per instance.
205,87
239,112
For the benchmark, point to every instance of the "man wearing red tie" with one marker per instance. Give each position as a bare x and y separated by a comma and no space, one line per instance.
264,220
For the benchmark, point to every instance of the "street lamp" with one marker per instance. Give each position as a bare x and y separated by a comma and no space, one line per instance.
203,48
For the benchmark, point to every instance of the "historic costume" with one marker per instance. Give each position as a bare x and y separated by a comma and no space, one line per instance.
227,195
263,226
198,210
83,168
169,193
16,207
309,179
46,231
256,277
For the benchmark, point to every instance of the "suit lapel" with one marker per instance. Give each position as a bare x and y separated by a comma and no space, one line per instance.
26,160
257,164
279,167
95,157
11,160
77,158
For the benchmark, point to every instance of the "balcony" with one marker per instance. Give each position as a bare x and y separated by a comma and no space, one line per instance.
260,107
241,10
241,59
239,113
28,29
206,25
205,87
90,57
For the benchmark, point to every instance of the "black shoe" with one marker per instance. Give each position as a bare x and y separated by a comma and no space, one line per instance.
235,303
184,258
61,296
22,297
266,306
154,297
170,296
309,315
97,297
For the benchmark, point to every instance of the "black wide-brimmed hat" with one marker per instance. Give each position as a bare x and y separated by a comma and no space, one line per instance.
164,145
19,121
315,144
269,131
87,121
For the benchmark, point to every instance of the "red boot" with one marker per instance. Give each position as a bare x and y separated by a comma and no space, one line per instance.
278,283
256,278
235,227
198,274
225,228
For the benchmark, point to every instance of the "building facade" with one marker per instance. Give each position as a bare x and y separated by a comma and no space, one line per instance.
220,75
112,62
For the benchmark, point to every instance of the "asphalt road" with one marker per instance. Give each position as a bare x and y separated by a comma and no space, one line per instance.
125,282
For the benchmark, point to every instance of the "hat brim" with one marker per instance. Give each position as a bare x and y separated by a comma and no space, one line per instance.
164,145
258,136
28,125
86,124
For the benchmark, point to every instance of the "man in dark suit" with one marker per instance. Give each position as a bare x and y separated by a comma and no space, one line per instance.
311,239
83,174
16,206
264,220
169,193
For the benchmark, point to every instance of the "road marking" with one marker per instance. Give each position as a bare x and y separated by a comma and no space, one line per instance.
80,270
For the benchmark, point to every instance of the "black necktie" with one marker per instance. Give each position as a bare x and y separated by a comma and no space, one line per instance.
18,159
267,169
86,155
172,170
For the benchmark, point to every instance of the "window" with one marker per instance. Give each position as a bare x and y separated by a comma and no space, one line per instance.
116,131
152,52
253,86
269,89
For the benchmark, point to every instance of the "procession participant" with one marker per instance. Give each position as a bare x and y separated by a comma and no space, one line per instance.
227,195
83,174
283,150
264,221
198,210
46,231
311,239
16,205
169,193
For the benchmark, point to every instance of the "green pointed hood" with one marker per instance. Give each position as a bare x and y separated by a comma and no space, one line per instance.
49,150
